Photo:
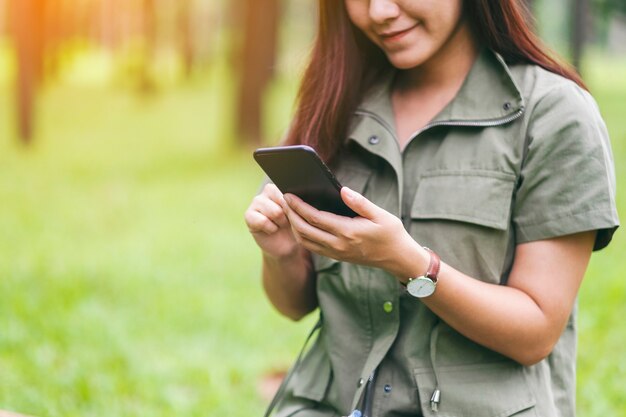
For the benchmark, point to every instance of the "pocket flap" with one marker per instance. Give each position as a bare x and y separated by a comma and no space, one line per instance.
486,390
353,177
477,196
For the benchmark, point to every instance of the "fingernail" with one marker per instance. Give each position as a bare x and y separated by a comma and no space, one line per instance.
287,198
349,193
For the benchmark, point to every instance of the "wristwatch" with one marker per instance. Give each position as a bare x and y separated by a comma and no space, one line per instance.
426,284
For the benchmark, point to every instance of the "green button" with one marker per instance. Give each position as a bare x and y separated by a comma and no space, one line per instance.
388,306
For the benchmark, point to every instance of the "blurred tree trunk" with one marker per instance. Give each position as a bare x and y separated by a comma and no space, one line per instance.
580,10
54,39
26,27
107,24
261,19
38,31
146,83
186,36
236,24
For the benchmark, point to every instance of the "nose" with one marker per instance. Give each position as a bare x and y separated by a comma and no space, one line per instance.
383,10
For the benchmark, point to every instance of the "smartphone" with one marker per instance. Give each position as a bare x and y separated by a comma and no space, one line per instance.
299,170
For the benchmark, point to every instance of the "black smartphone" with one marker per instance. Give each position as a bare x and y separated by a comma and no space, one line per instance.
299,170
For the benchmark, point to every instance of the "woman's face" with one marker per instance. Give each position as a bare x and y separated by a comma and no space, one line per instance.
410,32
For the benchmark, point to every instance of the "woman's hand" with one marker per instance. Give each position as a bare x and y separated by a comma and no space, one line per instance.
268,224
288,277
374,238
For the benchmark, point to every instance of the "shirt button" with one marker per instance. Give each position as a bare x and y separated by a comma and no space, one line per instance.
387,388
506,106
360,382
388,306
373,140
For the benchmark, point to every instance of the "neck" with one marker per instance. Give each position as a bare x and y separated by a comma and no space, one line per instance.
448,67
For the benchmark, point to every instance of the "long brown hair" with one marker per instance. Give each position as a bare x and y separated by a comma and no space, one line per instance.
344,64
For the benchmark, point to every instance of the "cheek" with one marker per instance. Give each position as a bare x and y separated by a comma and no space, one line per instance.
442,17
451,16
358,13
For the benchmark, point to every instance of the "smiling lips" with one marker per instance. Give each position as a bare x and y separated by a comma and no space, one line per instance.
396,35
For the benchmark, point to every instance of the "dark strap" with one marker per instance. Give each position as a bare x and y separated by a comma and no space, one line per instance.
283,385
369,395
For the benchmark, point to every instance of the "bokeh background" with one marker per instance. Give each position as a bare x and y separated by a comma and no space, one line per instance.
129,285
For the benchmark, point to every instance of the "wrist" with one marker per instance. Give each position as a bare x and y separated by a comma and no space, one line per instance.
410,262
293,255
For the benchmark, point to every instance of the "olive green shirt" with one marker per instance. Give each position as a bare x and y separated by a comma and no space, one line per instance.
520,154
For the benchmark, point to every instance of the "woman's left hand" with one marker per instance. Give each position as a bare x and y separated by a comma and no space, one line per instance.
372,238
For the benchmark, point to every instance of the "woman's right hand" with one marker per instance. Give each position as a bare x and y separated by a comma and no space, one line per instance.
268,224
287,270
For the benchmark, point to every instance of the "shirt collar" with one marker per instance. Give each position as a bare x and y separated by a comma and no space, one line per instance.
488,95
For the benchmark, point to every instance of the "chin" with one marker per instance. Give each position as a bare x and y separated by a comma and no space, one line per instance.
404,64
407,59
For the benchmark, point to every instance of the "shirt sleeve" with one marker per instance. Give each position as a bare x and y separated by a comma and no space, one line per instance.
567,181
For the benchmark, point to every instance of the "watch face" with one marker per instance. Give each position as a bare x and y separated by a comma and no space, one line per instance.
421,287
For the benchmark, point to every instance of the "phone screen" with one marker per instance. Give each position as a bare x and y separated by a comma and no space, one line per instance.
299,170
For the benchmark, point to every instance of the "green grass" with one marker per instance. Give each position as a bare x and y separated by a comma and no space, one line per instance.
602,334
128,282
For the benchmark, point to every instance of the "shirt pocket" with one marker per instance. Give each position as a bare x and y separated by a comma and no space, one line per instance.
480,390
479,197
465,217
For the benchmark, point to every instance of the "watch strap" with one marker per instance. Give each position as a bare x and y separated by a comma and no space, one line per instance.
433,266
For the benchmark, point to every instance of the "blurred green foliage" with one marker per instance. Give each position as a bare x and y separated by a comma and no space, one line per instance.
606,7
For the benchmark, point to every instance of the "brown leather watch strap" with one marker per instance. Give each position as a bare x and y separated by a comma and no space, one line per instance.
433,266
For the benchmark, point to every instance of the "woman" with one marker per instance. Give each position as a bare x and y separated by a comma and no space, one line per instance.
452,129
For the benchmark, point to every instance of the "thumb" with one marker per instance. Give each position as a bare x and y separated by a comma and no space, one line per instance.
361,205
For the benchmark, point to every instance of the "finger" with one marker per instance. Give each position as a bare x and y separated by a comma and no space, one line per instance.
313,246
270,209
361,205
306,230
324,220
259,223
273,193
